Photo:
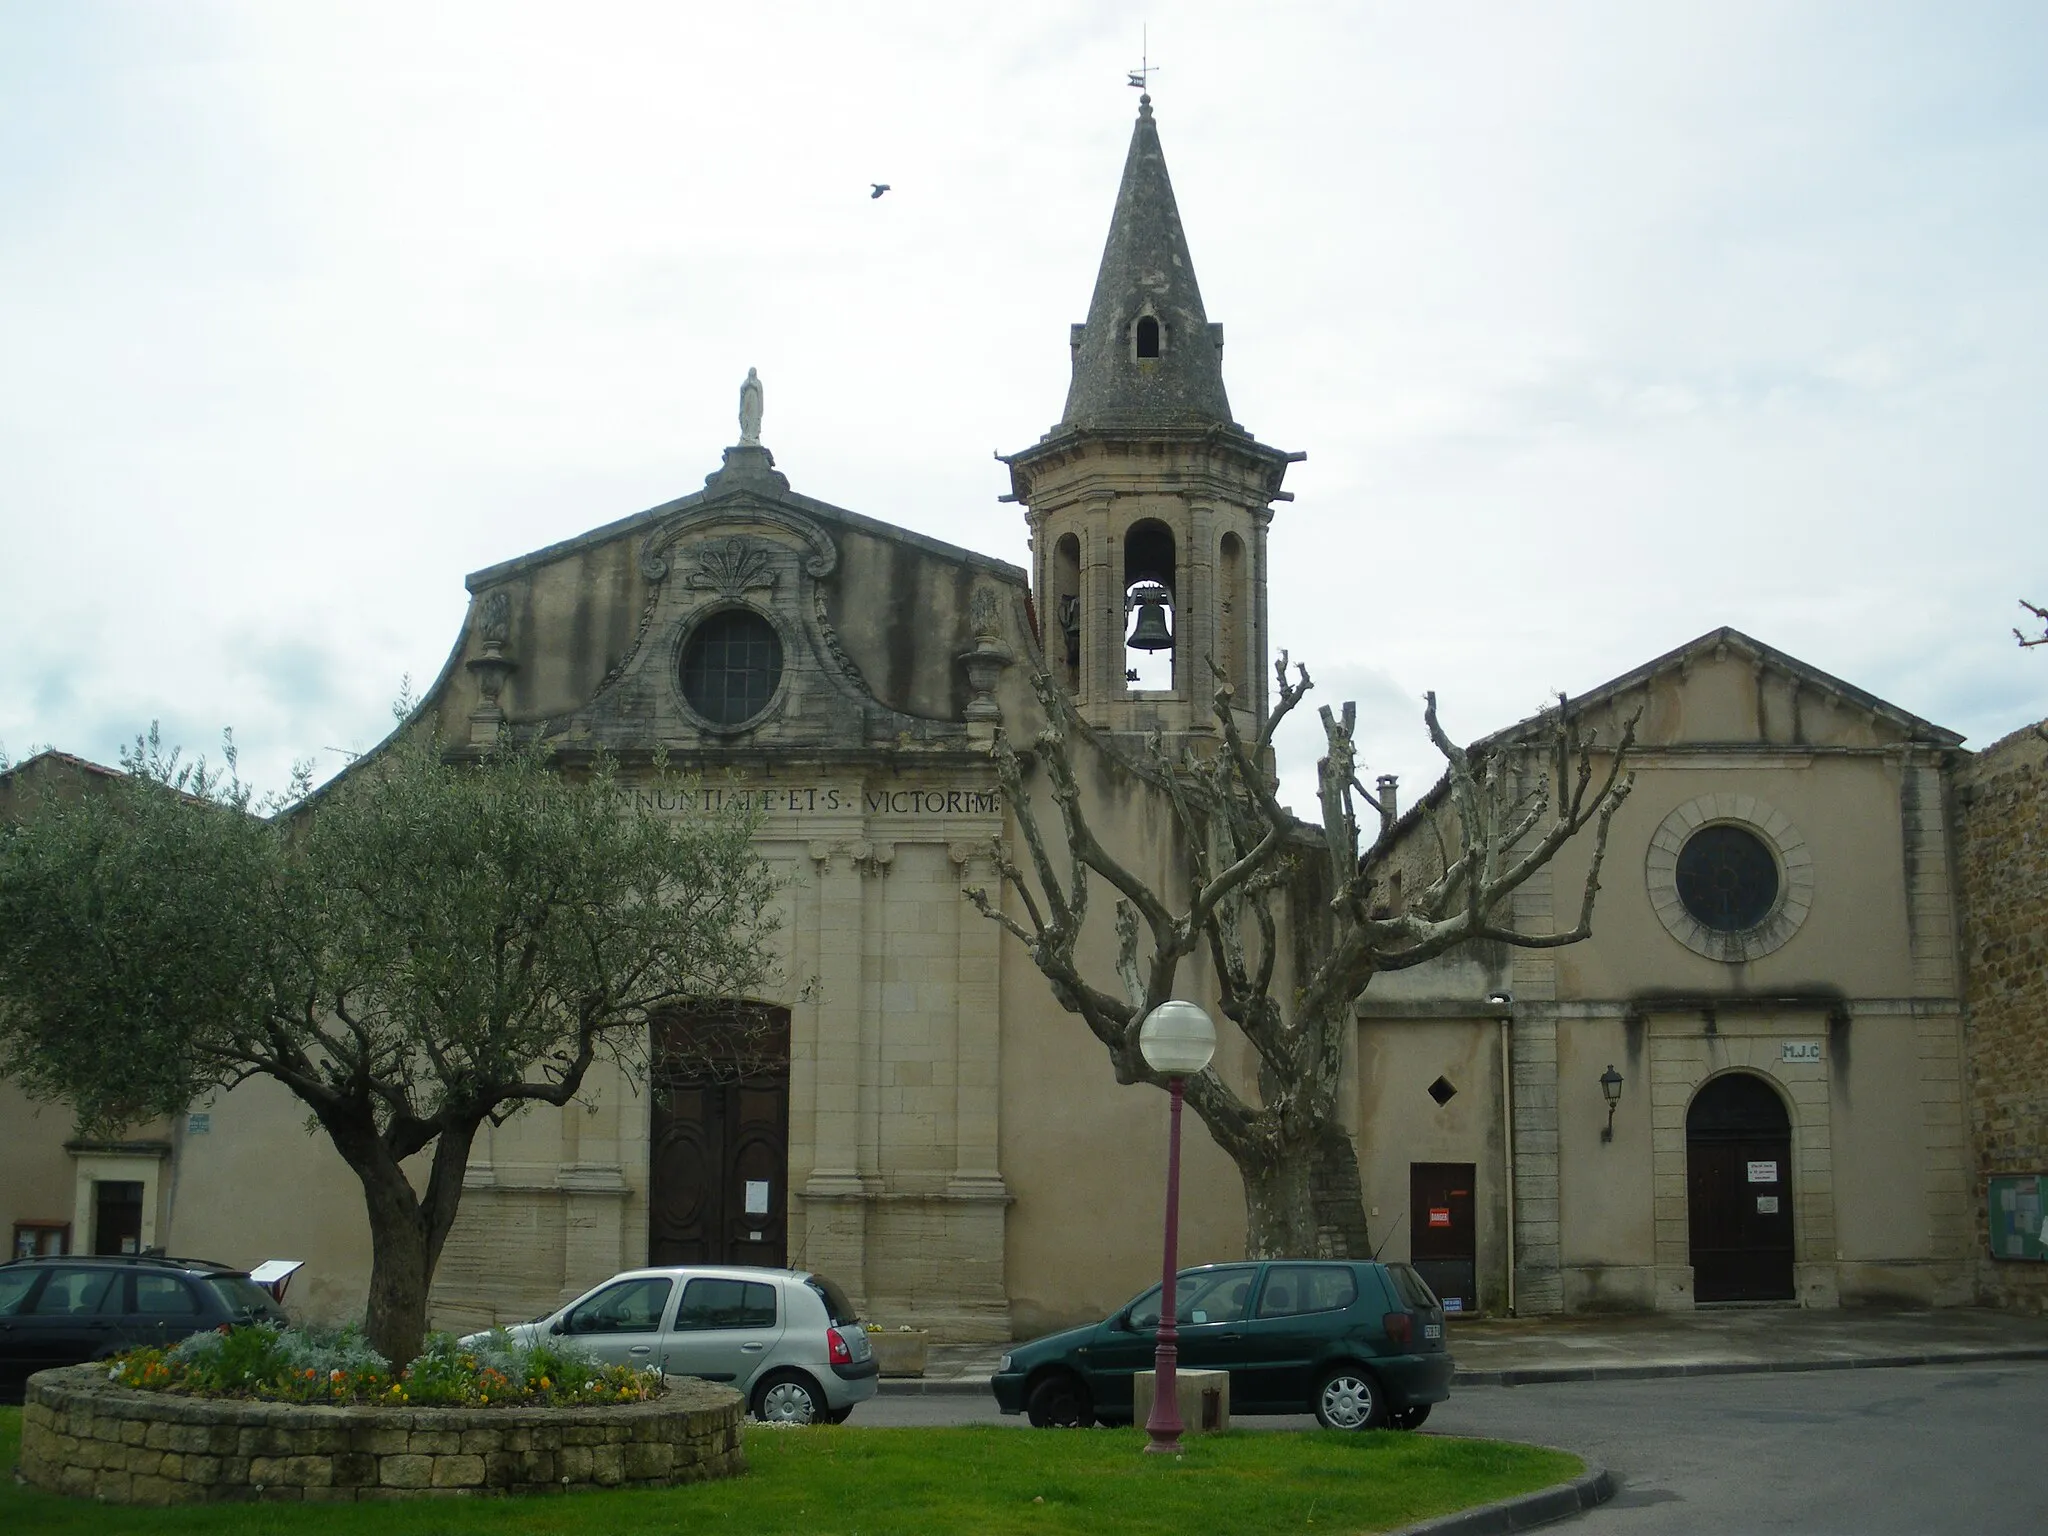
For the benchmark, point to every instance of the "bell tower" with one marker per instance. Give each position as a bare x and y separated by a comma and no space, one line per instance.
1148,506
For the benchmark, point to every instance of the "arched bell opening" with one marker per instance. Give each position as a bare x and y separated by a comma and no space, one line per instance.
1145,338
1234,595
1064,645
1738,1185
1150,586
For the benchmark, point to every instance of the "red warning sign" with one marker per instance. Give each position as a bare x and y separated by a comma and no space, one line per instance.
1439,1215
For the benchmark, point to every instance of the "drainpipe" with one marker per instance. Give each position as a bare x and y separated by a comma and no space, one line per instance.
1507,1139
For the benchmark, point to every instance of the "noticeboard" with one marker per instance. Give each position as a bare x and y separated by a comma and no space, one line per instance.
2019,1216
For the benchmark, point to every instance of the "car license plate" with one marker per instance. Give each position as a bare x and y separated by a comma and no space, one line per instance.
1432,1330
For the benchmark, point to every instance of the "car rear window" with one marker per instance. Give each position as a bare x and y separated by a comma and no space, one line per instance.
1414,1289
1293,1289
164,1296
713,1303
241,1296
838,1308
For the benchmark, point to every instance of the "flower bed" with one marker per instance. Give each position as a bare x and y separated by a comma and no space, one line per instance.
338,1368
86,1435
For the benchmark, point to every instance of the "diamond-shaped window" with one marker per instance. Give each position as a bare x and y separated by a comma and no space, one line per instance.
1441,1090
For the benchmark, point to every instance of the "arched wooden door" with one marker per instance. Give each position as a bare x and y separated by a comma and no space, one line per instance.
1738,1175
718,1185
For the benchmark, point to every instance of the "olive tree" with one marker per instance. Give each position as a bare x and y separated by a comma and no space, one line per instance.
1255,884
423,947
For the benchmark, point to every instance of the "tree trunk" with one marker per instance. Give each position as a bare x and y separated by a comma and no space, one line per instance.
406,1232
1303,1200
396,1321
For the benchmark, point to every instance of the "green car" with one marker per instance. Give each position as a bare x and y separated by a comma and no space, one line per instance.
1357,1343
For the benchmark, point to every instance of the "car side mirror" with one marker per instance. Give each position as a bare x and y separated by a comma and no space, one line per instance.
559,1325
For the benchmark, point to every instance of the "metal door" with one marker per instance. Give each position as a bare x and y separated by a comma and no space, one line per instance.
622,1324
718,1185
1444,1241
726,1328
1738,1166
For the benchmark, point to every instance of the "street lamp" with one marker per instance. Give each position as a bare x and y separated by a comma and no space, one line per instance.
1177,1039
1610,1085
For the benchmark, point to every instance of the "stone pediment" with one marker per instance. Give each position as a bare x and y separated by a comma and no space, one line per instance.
1726,691
869,630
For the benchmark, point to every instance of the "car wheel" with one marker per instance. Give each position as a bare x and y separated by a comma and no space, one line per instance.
1059,1402
1349,1398
789,1397
1410,1417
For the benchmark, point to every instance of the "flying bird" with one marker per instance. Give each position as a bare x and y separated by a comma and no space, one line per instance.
880,187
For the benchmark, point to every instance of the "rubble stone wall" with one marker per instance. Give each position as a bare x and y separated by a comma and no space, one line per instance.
2002,865
84,1436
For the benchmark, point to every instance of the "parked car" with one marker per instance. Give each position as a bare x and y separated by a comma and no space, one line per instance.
788,1341
1357,1343
69,1308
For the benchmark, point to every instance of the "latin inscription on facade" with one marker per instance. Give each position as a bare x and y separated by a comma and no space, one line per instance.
826,799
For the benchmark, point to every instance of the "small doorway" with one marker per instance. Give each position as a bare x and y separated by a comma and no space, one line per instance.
1738,1177
718,1187
116,1216
1443,1242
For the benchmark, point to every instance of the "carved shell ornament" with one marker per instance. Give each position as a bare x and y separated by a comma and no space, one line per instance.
734,566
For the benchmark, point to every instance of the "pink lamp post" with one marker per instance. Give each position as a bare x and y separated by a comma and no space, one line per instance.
1177,1039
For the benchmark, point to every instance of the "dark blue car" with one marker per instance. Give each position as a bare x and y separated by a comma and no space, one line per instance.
1357,1343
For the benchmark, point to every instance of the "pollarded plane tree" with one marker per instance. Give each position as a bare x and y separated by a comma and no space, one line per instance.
1255,884
2041,615
424,948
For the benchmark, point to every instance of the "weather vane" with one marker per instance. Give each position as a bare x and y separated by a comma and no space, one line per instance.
1140,79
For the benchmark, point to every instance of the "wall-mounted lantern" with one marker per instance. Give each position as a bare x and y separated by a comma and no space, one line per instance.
1610,1085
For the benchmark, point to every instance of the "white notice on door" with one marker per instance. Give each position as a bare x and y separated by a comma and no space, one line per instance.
1767,1205
757,1197
1763,1173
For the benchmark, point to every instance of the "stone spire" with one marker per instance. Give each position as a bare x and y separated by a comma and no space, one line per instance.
1147,355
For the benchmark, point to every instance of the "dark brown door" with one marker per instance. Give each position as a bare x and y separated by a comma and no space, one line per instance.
1444,1243
718,1185
1738,1167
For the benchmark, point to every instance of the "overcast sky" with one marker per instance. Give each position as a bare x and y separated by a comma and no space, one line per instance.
1601,325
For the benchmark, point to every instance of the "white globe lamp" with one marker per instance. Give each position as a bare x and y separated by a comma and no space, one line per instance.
1177,1039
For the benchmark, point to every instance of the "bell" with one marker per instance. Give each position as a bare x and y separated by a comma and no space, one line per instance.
1150,632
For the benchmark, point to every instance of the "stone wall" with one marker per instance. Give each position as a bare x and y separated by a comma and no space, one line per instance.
84,1436
2002,864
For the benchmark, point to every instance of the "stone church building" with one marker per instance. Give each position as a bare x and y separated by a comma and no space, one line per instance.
1748,1085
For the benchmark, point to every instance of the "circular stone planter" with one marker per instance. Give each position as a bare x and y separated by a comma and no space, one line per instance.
83,1435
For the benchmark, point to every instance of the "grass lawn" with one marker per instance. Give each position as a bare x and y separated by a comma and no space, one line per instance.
984,1480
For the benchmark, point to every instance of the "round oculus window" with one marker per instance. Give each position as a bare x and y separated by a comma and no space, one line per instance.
732,665
1727,878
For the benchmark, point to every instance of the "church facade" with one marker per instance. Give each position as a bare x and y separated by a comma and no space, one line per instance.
1746,1086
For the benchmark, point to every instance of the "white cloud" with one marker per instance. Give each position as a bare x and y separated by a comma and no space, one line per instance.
1601,327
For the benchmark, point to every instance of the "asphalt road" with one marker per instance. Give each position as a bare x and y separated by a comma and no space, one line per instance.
1930,1449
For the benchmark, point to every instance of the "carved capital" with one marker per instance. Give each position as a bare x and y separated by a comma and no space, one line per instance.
968,854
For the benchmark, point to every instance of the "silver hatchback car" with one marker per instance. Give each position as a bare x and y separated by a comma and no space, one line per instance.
787,1340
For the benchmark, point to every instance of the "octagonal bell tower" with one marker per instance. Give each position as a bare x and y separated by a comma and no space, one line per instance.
1148,506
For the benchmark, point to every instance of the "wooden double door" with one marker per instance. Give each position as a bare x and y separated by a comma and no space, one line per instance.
718,1189
1738,1176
